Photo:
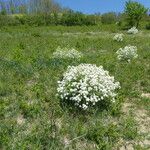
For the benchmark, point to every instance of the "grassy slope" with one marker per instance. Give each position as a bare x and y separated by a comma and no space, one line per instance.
28,81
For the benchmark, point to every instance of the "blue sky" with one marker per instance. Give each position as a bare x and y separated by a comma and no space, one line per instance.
95,6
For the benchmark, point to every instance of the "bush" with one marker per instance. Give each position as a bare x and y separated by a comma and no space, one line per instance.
76,18
127,53
148,26
68,18
31,20
6,20
109,18
36,20
87,85
91,20
71,18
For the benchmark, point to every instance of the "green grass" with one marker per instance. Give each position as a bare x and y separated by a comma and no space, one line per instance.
28,82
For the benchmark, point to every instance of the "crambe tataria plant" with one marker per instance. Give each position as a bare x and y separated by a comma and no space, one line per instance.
133,30
64,53
127,53
118,37
87,85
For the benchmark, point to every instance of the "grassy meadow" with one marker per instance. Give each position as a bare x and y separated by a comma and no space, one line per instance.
31,115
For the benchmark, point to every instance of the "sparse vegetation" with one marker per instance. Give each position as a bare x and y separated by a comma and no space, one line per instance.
32,115
33,58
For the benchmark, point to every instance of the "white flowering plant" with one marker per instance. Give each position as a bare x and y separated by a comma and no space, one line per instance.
133,30
127,53
66,53
118,37
87,85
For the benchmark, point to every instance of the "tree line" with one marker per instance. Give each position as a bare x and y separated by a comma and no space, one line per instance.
49,12
29,6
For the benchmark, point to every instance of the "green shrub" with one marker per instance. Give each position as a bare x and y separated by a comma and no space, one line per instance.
35,20
6,20
69,19
109,18
91,20
76,18
148,26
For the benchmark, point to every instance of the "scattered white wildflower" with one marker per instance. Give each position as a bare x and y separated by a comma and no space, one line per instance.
86,85
133,30
118,37
20,120
66,141
127,53
65,53
117,23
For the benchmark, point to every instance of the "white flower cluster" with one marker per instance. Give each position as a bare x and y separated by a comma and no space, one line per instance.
118,37
87,84
133,30
127,53
65,53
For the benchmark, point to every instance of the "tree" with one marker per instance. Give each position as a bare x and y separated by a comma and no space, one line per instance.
12,7
22,9
134,11
44,6
3,9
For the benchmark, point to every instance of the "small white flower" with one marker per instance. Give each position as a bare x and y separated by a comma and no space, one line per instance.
133,30
84,106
